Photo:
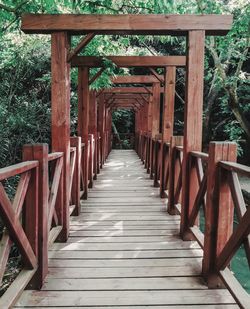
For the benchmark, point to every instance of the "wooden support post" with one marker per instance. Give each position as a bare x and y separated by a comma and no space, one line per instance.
156,88
83,119
101,123
174,171
167,121
60,99
75,191
36,209
93,128
192,122
149,135
219,211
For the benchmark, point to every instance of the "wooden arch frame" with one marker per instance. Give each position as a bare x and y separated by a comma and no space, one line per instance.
194,27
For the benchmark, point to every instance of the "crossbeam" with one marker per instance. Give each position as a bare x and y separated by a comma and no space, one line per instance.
135,79
126,24
128,90
129,61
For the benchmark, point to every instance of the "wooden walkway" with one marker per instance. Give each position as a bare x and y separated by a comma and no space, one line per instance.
124,251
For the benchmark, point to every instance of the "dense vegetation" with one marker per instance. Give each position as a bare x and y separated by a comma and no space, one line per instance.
25,69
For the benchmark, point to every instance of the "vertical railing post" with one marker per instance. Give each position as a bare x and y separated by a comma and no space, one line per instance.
36,209
156,161
173,172
75,191
219,210
98,144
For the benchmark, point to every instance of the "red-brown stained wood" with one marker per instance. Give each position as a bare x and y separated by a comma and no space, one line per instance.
60,101
80,46
25,243
101,126
135,79
17,205
219,209
19,168
167,118
93,126
83,119
129,90
174,171
126,24
130,61
91,160
75,191
192,120
39,152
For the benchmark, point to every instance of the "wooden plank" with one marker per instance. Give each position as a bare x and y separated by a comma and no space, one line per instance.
124,263
123,229
136,254
130,61
124,298
126,24
123,239
178,244
217,306
170,283
124,224
123,272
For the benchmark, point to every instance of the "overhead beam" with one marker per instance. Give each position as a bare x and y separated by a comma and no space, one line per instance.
135,79
129,61
126,96
130,90
126,24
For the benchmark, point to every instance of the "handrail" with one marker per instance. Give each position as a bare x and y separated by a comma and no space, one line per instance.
217,191
236,167
19,168
54,155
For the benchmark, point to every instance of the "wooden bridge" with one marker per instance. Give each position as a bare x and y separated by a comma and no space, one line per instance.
150,228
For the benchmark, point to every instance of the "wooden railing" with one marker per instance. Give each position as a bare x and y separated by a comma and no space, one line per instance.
37,215
215,196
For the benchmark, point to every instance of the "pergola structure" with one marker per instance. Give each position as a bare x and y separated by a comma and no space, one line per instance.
193,27
60,178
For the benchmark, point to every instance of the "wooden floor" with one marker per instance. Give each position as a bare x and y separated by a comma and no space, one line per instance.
124,251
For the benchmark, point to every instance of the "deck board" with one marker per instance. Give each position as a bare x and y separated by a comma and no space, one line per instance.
124,251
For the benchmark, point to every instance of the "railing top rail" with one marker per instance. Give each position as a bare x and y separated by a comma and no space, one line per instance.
236,167
54,155
17,169
199,154
180,148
